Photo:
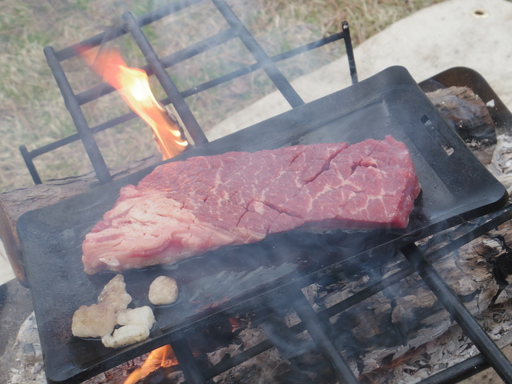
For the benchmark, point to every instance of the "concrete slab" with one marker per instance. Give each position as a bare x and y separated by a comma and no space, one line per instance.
6,272
469,33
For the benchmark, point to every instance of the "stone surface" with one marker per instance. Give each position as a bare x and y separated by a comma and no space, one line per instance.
6,272
456,33
15,308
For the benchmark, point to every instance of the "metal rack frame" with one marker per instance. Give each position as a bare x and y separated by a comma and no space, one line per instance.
157,66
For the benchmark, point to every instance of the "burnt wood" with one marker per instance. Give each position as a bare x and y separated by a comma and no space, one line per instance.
465,112
467,77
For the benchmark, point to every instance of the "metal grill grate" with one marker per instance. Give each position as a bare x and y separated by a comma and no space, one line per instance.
157,66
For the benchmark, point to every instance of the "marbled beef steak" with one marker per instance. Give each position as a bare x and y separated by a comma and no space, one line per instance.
186,208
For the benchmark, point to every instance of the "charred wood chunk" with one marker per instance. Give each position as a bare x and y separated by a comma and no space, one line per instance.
503,269
465,112
499,258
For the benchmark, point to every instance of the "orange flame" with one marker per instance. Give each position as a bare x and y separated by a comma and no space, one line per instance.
160,357
133,85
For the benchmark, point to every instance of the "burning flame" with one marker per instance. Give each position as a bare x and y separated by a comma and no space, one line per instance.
133,85
160,357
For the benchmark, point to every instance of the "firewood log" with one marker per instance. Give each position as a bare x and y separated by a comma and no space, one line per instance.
15,203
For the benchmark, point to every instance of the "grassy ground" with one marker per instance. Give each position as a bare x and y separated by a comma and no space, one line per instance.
32,112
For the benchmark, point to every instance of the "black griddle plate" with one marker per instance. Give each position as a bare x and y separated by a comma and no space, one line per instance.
455,188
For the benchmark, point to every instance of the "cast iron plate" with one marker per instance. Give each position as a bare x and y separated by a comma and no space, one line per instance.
455,188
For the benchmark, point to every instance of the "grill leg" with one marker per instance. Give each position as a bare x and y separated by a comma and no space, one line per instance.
187,362
462,316
314,325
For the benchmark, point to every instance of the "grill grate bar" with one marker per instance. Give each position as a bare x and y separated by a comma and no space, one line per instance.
188,363
319,332
157,66
231,362
459,312
459,372
350,52
85,134
209,43
316,324
165,80
260,55
116,32
167,61
28,157
259,65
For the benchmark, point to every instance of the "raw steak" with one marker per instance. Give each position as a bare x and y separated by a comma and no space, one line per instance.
185,208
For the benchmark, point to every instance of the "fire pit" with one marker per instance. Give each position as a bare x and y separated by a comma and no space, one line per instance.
262,279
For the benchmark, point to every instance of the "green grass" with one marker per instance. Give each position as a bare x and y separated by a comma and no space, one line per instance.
32,111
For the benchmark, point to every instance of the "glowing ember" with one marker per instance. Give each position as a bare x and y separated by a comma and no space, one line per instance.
235,323
133,85
160,357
